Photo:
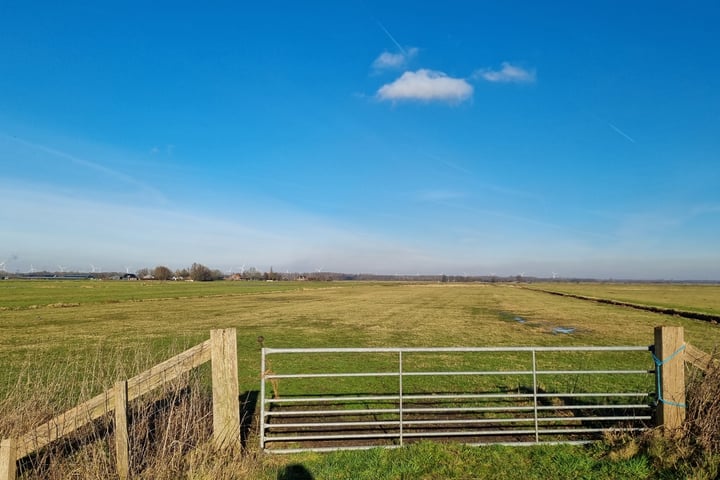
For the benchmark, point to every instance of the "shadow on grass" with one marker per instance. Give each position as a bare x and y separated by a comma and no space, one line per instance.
248,404
294,471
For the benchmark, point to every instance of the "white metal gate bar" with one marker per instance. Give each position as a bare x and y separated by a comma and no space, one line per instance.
355,421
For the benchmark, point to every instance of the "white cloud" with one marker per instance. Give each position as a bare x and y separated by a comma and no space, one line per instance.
387,60
426,85
509,73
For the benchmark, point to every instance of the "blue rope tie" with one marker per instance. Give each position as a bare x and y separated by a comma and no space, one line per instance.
658,375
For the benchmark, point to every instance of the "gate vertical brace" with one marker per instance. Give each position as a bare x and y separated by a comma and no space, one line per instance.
262,399
535,398
400,405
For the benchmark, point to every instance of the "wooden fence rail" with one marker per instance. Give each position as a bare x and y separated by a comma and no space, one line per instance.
221,349
700,359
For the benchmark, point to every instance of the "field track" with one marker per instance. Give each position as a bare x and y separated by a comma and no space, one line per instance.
707,317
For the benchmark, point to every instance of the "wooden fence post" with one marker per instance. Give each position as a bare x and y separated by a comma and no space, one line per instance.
7,459
122,443
226,397
669,351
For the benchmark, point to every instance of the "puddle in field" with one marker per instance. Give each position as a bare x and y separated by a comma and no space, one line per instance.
511,317
560,330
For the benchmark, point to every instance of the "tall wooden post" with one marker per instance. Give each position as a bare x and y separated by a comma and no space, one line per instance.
7,459
226,397
669,348
122,443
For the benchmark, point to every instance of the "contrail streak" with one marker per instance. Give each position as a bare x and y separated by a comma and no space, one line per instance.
621,132
89,165
392,38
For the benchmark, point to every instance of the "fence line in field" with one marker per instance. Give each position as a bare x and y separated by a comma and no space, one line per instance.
220,349
670,350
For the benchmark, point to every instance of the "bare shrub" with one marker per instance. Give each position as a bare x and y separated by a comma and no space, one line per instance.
692,452
702,426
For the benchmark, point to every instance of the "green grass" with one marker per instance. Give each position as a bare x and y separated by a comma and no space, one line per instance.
32,294
157,321
428,460
111,330
698,298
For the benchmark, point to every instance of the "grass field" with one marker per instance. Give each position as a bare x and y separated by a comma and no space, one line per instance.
109,330
684,297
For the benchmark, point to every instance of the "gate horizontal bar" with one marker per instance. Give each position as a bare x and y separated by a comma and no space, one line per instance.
467,421
458,373
374,411
483,433
275,426
269,351
468,433
310,413
452,397
331,375
333,399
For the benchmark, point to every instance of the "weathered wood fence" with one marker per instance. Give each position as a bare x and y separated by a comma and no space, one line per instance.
220,350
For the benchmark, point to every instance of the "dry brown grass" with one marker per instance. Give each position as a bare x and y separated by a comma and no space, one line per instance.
702,426
170,434
170,429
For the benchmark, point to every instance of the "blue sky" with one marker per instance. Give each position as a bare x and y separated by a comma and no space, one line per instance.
580,138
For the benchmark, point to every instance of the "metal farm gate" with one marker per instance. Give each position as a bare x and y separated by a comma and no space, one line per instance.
326,399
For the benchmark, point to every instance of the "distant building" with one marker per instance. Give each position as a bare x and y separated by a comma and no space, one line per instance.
129,276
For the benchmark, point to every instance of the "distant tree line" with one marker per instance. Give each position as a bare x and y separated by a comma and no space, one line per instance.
201,273
197,272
